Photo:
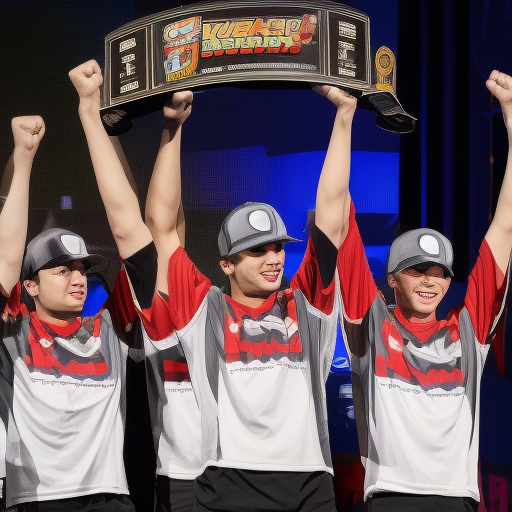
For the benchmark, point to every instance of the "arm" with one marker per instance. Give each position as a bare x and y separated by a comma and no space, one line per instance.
119,198
5,184
164,212
28,132
499,234
124,162
333,197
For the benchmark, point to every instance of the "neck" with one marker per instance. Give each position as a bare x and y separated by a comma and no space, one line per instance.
246,300
60,318
416,317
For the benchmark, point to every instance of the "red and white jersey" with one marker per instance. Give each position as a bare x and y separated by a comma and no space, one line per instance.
179,443
65,432
66,410
175,415
258,373
417,386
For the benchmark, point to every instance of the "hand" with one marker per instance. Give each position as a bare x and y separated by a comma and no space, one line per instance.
500,85
341,99
178,108
28,132
87,79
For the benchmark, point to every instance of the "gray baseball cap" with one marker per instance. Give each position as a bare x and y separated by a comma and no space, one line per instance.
56,246
420,246
250,225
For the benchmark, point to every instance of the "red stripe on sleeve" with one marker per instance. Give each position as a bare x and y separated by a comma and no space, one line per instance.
187,288
120,305
157,320
14,307
483,297
309,281
358,288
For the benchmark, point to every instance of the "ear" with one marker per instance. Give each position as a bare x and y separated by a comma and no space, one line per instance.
31,287
392,281
227,267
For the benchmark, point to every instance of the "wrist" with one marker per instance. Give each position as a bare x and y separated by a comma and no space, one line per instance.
88,105
24,153
171,128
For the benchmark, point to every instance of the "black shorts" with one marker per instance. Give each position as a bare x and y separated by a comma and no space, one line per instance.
89,503
233,490
2,493
174,495
398,502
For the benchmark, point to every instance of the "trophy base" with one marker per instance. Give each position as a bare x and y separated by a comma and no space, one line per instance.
391,116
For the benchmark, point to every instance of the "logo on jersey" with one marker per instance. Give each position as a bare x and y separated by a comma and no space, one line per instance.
435,363
78,355
272,335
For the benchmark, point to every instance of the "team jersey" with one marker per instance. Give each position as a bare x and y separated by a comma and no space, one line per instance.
66,407
258,373
417,386
175,416
179,444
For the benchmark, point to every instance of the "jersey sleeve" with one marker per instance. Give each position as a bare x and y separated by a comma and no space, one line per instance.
125,311
484,298
11,305
13,310
142,269
310,276
133,289
122,310
187,288
358,288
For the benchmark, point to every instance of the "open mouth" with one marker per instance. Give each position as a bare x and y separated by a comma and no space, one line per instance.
271,277
427,295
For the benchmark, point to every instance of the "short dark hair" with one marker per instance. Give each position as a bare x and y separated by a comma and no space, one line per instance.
234,258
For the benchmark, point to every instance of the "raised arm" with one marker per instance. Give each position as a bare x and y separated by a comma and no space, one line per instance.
5,184
124,162
120,200
28,132
499,234
333,197
164,213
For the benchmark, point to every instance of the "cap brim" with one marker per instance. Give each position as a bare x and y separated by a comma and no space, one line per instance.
97,262
419,260
262,241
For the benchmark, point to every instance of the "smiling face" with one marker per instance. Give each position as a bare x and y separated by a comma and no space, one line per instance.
255,273
59,292
419,290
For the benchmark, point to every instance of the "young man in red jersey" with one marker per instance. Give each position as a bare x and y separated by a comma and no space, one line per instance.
258,359
416,378
175,417
62,376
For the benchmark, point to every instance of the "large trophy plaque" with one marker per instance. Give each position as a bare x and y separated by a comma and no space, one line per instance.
228,42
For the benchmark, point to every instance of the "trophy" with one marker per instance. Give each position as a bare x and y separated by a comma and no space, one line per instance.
277,42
